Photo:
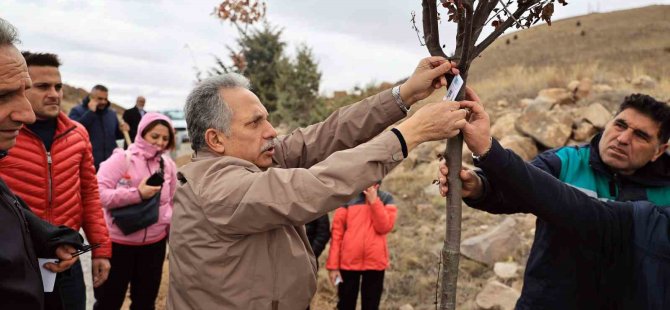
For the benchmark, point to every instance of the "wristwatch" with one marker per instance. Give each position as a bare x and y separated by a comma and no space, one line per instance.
483,155
395,91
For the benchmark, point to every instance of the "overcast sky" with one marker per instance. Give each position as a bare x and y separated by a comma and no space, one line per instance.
151,47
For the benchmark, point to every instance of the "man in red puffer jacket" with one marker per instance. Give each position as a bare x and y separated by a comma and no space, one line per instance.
358,250
51,169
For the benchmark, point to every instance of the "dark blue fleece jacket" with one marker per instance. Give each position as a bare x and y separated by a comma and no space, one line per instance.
625,245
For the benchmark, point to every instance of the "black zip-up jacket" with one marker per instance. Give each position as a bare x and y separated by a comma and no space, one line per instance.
628,241
25,237
318,234
558,272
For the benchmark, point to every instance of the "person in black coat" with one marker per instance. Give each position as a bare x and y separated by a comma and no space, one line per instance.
133,116
25,237
628,240
318,233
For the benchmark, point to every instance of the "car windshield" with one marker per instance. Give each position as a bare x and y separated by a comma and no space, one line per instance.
175,114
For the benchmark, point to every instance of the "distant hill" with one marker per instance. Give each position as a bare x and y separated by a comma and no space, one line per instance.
638,37
617,43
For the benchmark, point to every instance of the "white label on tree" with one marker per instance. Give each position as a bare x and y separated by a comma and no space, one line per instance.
454,88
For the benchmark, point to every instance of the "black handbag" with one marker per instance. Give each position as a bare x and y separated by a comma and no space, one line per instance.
141,215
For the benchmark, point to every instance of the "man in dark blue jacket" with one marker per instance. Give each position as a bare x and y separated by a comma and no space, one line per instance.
100,121
624,163
626,244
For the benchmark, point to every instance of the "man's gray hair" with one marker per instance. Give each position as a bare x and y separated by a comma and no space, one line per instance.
8,34
205,108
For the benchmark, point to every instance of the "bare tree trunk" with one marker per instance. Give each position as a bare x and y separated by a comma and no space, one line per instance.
470,23
453,154
452,241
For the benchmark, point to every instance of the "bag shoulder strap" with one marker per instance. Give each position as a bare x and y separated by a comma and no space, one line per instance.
127,154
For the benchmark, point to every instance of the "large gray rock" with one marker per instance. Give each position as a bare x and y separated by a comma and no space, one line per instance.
497,296
583,89
494,245
556,96
564,115
597,115
406,307
543,125
504,125
523,146
584,131
506,270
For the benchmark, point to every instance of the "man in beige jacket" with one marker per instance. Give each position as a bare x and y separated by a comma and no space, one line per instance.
237,239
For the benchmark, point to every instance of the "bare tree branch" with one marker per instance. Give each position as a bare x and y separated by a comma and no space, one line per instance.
522,8
430,31
416,29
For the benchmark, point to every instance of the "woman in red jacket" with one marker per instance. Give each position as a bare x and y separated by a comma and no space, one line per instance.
358,248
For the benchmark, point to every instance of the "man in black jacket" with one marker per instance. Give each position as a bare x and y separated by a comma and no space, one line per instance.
318,234
24,236
629,240
133,116
625,162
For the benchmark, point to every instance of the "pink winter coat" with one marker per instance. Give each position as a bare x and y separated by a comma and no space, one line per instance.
118,183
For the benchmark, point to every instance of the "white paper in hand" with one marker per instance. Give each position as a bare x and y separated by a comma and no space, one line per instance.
48,277
454,88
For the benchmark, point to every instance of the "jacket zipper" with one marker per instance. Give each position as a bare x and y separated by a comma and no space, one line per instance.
50,174
49,211
613,181
275,300
49,187
369,215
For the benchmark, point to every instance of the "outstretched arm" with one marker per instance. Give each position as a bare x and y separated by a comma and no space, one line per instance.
355,124
535,191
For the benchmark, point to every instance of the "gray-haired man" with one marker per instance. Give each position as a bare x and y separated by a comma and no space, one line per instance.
237,239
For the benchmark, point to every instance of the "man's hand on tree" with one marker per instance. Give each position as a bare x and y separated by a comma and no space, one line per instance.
477,132
434,121
428,76
472,184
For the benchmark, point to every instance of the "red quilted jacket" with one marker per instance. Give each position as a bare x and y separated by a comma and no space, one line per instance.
359,234
65,191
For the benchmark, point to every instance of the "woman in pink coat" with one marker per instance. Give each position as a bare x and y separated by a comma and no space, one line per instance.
137,257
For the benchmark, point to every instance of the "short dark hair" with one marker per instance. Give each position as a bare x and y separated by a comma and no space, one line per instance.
8,33
100,88
41,59
656,110
171,140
